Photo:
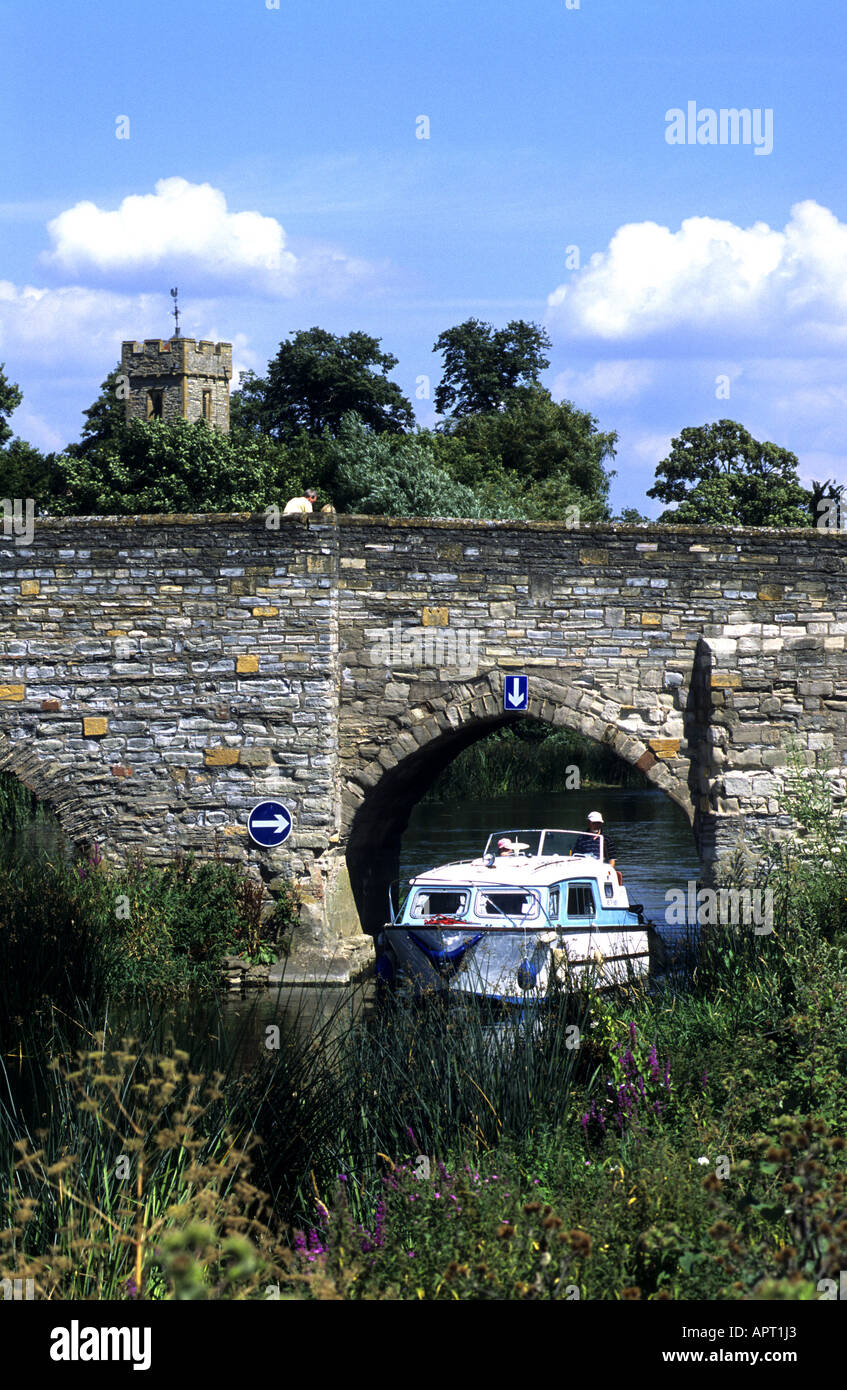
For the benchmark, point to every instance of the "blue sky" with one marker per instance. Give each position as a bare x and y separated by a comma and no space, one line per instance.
274,173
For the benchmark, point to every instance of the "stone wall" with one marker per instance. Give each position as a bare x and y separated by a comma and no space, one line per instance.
158,676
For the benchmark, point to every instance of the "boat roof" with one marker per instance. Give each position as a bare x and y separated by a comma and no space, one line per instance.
521,871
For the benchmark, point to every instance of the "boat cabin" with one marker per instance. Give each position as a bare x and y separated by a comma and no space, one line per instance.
524,878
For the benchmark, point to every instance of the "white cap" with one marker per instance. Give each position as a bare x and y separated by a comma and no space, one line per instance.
595,815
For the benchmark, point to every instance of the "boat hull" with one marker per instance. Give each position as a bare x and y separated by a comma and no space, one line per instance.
512,965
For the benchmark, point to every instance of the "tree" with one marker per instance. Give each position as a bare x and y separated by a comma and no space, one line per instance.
157,466
380,475
488,369
537,456
105,419
316,379
25,472
718,474
10,398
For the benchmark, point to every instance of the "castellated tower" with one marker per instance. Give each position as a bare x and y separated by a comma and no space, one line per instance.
178,380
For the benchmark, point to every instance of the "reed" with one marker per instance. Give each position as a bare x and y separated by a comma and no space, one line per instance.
531,757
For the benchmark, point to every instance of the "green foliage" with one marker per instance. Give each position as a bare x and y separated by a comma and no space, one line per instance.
487,369
25,472
19,806
10,398
156,466
94,931
736,1189
530,756
719,475
137,1188
105,419
537,440
373,474
316,379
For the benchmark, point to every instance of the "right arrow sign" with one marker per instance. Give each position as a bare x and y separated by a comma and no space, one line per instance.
516,693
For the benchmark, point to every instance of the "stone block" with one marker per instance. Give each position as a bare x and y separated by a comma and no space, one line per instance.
664,747
12,692
95,726
270,612
29,588
435,617
222,757
244,665
255,757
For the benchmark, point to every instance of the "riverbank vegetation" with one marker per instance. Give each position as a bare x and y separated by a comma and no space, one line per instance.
529,756
74,927
680,1144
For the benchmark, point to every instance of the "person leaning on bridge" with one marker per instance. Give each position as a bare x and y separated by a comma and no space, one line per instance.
589,840
301,504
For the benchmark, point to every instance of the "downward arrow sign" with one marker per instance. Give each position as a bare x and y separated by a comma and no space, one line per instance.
513,696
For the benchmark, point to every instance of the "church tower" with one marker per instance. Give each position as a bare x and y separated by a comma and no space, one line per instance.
180,379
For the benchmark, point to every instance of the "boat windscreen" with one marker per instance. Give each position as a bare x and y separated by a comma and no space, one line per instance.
513,842
560,842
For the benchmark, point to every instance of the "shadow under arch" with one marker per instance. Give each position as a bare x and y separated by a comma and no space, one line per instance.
53,785
394,782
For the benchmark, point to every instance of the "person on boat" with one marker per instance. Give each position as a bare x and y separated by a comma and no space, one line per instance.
505,847
589,840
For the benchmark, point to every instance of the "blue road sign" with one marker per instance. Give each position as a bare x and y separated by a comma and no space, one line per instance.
516,692
269,824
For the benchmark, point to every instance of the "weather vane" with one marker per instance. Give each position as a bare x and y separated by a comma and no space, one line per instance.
174,294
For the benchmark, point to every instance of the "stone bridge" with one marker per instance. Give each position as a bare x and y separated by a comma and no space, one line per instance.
159,675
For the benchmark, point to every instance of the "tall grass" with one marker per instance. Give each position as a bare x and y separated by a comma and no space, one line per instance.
531,757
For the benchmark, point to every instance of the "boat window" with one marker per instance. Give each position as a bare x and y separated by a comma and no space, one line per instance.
553,905
441,902
506,904
580,900
609,890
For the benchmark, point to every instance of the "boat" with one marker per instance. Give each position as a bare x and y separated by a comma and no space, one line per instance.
537,909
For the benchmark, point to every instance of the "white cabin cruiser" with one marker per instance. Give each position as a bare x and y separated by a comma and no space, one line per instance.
536,905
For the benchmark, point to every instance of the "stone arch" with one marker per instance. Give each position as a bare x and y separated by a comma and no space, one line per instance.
52,784
378,795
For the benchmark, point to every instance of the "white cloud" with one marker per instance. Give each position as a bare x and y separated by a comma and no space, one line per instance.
186,228
72,323
619,380
713,275
650,448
